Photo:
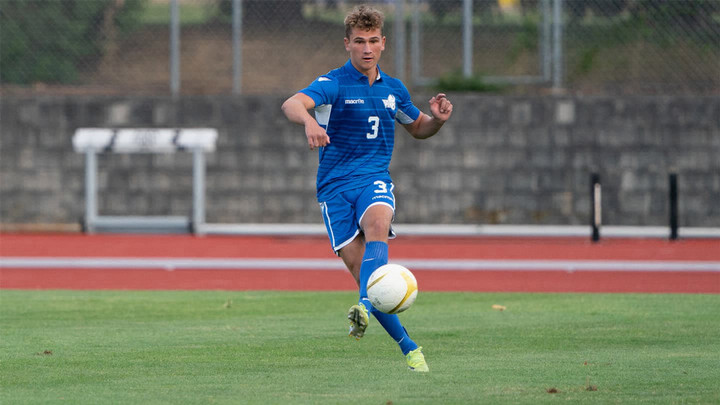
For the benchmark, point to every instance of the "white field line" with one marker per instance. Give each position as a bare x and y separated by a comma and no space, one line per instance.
440,230
172,263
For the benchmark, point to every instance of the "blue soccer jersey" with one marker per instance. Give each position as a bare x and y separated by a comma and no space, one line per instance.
360,121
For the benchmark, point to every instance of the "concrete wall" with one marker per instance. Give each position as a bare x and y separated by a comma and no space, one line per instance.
500,160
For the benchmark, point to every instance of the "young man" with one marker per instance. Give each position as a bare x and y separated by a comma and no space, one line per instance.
356,107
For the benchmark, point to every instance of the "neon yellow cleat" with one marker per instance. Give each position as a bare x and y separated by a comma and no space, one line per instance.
359,319
416,360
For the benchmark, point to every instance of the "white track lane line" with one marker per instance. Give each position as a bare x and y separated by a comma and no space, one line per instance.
173,263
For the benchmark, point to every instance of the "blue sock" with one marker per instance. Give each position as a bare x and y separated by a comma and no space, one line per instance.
394,328
376,255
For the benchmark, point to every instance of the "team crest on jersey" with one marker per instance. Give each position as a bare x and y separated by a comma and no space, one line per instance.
390,102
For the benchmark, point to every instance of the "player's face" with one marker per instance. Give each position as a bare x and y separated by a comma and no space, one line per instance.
365,48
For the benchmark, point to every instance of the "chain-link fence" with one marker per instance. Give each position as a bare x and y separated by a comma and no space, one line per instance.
278,46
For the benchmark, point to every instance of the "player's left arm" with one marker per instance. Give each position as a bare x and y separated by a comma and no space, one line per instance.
425,125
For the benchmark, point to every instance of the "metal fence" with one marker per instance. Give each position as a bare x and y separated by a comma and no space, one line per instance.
163,47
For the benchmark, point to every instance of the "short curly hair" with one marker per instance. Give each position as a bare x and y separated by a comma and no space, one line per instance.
363,17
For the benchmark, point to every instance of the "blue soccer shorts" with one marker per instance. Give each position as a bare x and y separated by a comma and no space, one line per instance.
343,212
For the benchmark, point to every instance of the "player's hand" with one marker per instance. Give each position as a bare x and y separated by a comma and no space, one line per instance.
316,135
441,107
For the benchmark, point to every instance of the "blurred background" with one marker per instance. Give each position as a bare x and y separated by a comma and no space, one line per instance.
547,92
278,46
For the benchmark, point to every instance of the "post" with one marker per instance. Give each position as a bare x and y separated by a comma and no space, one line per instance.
673,206
415,48
467,38
198,218
174,48
400,39
545,40
557,45
596,206
91,209
237,46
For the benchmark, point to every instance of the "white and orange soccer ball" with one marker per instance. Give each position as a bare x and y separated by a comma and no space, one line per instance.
392,288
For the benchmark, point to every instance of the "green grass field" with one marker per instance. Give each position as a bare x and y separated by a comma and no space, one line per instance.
291,347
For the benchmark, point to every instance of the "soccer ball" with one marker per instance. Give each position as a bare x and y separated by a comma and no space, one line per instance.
392,288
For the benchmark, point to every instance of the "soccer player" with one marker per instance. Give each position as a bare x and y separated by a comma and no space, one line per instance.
356,107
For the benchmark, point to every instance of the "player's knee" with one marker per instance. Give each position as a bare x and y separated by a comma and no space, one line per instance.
376,228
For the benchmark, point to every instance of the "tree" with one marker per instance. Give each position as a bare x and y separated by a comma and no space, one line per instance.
51,41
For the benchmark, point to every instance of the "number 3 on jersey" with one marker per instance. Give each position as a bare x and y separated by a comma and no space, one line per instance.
374,125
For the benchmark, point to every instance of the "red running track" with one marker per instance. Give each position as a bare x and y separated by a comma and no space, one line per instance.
550,250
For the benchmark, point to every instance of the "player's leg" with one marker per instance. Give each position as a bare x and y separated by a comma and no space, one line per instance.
376,225
375,209
362,256
375,222
347,242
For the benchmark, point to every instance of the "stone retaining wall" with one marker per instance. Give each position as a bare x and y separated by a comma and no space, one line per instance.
500,160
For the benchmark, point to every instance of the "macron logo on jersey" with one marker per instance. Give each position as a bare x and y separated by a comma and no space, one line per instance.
355,101
390,102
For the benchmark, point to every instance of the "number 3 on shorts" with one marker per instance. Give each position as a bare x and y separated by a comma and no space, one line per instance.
381,187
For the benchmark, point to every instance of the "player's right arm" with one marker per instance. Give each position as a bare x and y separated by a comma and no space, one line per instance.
296,110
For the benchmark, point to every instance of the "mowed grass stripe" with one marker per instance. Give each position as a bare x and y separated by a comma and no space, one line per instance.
292,347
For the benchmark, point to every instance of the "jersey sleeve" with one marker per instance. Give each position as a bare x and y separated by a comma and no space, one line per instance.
323,90
407,113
